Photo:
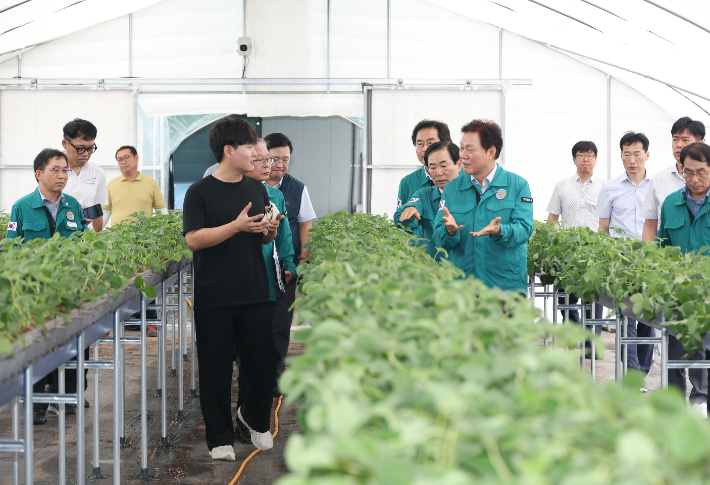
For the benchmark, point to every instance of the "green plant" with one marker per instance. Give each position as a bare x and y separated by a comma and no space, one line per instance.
657,280
41,279
413,375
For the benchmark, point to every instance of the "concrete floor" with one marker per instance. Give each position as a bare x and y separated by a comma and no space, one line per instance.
186,461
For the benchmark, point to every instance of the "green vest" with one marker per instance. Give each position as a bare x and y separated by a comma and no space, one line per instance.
499,261
28,218
676,228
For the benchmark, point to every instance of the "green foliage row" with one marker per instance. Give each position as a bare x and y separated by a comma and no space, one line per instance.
4,219
41,279
413,375
657,280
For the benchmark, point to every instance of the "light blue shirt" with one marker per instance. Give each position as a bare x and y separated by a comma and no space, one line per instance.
621,201
695,205
486,181
53,208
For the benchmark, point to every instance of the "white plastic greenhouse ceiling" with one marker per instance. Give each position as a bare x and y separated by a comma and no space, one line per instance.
550,72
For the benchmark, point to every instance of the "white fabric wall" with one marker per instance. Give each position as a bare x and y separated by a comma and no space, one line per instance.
33,120
394,115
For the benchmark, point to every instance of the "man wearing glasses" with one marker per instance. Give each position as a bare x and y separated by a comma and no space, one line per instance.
684,223
684,132
300,214
574,200
42,213
86,181
619,211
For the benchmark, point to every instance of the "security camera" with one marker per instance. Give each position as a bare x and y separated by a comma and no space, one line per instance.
244,44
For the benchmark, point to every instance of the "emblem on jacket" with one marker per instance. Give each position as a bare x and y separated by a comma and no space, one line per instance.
70,216
441,204
501,194
12,226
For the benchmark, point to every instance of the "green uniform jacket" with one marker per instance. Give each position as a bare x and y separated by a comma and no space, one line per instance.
496,260
28,219
284,246
676,229
410,184
426,201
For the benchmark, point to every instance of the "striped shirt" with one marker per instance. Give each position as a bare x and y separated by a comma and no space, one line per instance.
662,185
620,200
576,202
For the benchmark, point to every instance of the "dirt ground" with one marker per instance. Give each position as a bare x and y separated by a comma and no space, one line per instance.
185,462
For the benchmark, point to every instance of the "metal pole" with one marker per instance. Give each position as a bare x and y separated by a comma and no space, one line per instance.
161,334
617,348
144,396
96,472
29,428
593,358
172,329
608,130
664,355
389,39
16,437
625,348
566,314
181,314
161,367
583,324
117,367
130,45
80,456
122,385
62,429
193,389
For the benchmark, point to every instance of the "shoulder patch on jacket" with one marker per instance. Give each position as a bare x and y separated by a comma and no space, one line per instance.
414,199
527,199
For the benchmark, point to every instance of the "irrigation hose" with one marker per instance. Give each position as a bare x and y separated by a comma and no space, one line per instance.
276,431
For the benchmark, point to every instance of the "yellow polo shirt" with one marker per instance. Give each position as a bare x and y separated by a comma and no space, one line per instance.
128,196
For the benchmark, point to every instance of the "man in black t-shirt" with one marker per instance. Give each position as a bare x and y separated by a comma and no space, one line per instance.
222,223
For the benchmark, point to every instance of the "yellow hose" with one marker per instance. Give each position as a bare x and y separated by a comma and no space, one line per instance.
276,431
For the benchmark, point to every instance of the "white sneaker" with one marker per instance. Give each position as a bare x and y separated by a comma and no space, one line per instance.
53,408
263,441
701,409
224,453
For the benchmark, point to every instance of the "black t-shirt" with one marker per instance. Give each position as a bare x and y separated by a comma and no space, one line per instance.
233,272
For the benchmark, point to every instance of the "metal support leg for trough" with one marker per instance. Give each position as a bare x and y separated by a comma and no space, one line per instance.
29,428
62,428
617,347
80,423
566,303
117,368
664,355
193,389
593,358
183,320
144,397
181,328
96,472
161,376
625,348
122,385
583,324
161,332
172,329
16,437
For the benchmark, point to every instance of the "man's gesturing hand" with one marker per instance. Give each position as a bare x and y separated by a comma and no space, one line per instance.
492,229
244,223
408,213
451,227
274,223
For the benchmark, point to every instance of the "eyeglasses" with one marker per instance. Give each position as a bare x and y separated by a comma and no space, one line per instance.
124,158
57,171
279,161
267,160
690,175
588,157
91,149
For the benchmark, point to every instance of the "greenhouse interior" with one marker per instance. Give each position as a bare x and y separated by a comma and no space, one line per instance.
489,262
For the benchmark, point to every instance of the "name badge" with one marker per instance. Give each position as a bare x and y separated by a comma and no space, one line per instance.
591,202
91,181
71,224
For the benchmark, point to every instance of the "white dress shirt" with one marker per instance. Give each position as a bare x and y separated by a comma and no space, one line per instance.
576,202
89,187
662,185
621,201
486,181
